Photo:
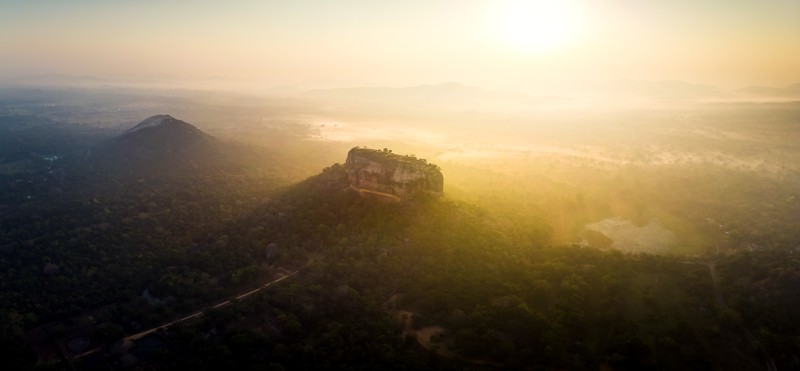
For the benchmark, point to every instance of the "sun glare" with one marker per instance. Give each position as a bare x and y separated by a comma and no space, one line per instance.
538,26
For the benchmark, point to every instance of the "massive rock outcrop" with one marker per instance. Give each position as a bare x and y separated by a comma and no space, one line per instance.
394,176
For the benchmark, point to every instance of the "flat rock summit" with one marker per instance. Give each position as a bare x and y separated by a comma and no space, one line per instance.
383,173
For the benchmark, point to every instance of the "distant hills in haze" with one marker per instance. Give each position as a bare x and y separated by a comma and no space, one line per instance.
451,94
445,95
656,89
786,91
442,95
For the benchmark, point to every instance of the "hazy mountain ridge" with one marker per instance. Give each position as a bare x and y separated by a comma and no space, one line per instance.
625,92
451,95
442,95
785,91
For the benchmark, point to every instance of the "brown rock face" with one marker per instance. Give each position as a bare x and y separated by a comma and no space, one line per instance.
394,176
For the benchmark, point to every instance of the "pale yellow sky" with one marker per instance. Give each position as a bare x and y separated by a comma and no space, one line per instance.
729,43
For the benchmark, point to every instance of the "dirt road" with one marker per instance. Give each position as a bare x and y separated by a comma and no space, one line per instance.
712,267
190,316
200,312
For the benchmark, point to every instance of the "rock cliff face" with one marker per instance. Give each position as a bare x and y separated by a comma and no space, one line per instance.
394,176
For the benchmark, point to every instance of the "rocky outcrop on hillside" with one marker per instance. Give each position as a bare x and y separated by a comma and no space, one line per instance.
383,173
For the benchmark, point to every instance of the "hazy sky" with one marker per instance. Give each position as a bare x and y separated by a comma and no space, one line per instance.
729,43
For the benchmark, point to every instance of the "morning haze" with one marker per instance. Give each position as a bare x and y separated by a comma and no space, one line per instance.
479,185
726,43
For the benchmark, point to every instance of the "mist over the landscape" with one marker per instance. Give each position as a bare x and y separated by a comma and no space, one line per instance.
459,185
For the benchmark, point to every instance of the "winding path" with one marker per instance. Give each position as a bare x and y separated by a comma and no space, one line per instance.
196,314
200,312
712,268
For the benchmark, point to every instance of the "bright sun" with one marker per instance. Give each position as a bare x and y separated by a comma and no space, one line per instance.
538,26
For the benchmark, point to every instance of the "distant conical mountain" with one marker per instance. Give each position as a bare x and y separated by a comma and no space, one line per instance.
160,138
163,143
160,122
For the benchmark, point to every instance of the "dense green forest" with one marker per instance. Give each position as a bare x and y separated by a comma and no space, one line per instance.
469,280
